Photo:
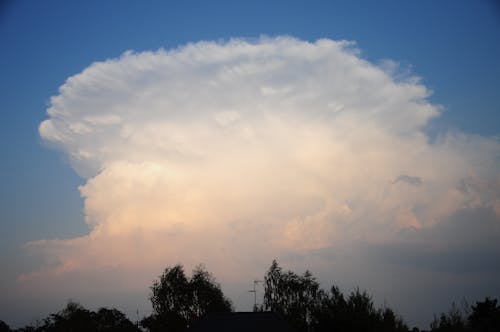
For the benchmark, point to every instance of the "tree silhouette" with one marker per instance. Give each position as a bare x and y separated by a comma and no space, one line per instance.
4,327
449,322
309,308
75,318
112,320
485,316
357,312
291,295
332,314
178,301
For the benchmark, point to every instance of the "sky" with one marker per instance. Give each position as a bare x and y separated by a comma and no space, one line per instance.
356,139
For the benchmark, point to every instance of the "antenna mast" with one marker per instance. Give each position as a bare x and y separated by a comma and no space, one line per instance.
254,291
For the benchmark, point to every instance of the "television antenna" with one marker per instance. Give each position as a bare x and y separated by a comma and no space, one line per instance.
254,291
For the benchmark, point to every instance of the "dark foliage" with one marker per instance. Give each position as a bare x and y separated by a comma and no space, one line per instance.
451,321
292,296
483,317
75,318
309,308
4,327
112,320
178,301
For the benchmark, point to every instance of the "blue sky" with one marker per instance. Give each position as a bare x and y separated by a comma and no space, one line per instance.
454,46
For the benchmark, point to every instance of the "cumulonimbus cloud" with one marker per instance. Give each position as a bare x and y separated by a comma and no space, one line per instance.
232,153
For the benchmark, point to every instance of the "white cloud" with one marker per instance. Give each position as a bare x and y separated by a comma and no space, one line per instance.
234,153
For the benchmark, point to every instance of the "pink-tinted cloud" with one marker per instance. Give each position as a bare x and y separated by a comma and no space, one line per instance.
234,153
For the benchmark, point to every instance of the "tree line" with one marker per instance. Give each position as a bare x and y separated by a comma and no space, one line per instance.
178,301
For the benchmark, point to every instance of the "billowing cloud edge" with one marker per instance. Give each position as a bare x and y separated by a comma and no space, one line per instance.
232,153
